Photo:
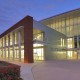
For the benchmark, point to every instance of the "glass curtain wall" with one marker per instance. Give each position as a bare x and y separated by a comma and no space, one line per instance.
12,45
68,24
38,47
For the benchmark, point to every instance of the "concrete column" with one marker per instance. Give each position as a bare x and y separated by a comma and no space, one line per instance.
13,41
19,45
8,46
5,46
2,47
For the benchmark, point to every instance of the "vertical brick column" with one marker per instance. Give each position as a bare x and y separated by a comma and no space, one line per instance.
28,40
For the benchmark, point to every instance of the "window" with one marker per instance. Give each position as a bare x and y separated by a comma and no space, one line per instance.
75,20
69,41
75,41
67,22
38,36
16,37
78,20
62,42
71,21
79,40
6,40
11,39
63,23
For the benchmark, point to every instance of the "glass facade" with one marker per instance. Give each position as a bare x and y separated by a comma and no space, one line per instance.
69,25
38,51
38,35
38,47
65,45
11,46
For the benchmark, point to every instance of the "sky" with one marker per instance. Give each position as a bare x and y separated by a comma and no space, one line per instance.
12,11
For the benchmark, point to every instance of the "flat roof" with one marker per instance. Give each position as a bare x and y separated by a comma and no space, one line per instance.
62,14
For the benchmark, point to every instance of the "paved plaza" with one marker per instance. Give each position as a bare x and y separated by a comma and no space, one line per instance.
51,70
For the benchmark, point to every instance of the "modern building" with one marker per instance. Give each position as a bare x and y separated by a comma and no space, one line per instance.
57,37
68,24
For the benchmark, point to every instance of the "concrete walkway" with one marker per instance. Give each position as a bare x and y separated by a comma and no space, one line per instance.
51,70
57,70
25,70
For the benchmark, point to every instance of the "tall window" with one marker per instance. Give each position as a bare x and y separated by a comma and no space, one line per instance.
75,41
16,37
79,40
38,36
11,39
69,41
6,40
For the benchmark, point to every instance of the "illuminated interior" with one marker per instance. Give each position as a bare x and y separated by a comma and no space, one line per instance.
69,54
22,53
65,45
72,55
37,35
70,43
69,25
38,51
62,42
12,47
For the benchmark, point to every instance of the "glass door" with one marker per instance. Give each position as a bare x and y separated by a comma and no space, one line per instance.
38,54
69,54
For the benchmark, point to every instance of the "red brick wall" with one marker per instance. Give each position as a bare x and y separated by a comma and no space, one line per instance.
28,40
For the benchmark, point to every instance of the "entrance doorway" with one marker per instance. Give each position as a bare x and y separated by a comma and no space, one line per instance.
38,52
72,55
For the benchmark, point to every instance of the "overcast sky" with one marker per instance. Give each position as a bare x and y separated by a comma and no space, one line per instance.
11,11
